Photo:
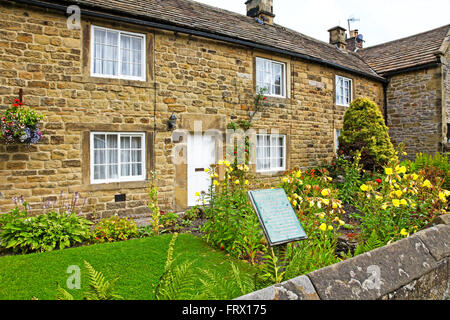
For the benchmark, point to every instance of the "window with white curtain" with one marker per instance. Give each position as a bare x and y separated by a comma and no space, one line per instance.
117,54
271,75
343,91
117,157
270,152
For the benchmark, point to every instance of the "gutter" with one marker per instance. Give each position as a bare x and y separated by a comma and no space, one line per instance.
200,33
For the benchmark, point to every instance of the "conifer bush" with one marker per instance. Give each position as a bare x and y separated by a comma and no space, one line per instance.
365,131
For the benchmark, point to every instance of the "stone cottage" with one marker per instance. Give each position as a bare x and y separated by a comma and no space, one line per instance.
418,90
115,78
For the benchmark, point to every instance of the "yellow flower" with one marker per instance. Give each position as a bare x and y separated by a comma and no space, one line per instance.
400,169
365,188
207,170
398,193
237,182
414,176
220,162
404,233
298,174
227,163
396,203
442,197
335,206
341,222
427,184
246,182
326,201
388,171
384,206
403,202
330,228
325,192
321,215
378,198
323,227
197,194
294,203
216,183
285,179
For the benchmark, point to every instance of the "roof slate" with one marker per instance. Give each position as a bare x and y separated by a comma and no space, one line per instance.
416,50
198,16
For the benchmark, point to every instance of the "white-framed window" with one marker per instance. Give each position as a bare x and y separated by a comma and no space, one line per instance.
117,157
272,76
117,54
338,134
270,152
344,94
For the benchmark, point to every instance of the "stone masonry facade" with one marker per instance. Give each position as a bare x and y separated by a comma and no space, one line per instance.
195,78
414,110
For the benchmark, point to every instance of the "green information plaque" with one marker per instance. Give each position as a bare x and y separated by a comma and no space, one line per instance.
277,217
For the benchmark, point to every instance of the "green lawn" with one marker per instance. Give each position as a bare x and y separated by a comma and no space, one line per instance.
139,264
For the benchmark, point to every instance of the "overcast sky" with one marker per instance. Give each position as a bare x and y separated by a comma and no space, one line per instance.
380,20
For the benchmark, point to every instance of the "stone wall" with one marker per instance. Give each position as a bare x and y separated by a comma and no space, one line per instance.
195,78
415,110
415,268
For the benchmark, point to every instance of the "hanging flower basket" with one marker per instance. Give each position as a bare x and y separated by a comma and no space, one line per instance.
19,124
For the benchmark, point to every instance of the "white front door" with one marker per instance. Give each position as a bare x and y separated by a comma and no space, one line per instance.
201,154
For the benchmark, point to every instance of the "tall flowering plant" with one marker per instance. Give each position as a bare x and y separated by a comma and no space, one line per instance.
19,124
399,204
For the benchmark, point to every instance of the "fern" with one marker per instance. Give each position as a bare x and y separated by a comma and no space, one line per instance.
63,294
216,287
176,283
371,244
99,287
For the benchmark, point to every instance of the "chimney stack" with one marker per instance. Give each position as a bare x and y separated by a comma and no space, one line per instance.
355,42
337,37
261,9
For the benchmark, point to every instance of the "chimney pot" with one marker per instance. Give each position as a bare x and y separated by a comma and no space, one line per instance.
261,9
337,37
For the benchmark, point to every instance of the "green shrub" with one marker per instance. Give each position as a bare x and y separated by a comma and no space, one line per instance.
114,229
365,131
45,232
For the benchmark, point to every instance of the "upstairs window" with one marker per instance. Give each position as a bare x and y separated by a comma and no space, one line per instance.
343,91
271,75
117,157
117,54
270,152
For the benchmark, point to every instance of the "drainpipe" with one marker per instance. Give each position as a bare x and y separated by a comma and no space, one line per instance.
385,87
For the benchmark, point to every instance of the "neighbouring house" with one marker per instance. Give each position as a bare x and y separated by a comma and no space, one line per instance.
417,69
114,89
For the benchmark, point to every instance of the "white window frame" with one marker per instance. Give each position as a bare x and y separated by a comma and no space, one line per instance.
119,76
119,179
272,169
350,88
283,77
337,134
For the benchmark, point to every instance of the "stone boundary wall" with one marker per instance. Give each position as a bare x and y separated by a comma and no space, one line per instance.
415,268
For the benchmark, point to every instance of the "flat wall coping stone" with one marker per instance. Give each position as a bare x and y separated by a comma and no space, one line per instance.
376,273
299,288
437,240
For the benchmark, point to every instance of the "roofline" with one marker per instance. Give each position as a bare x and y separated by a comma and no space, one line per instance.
201,33
407,37
410,69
